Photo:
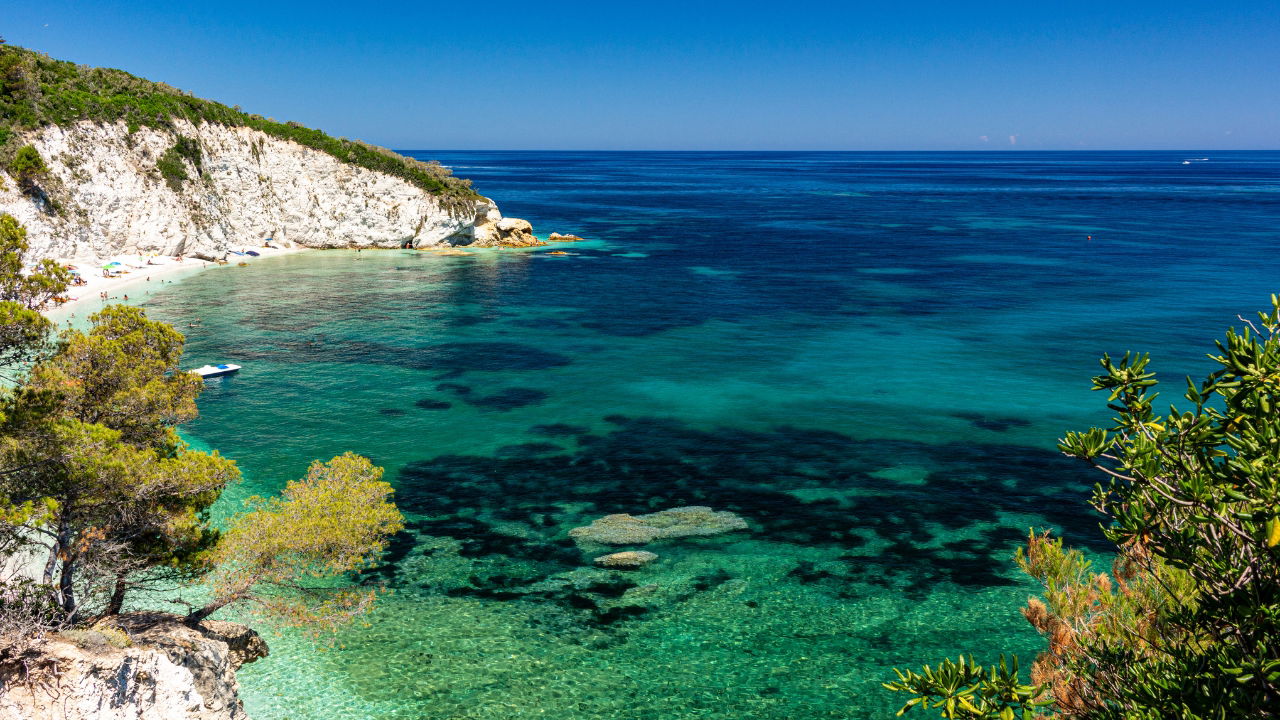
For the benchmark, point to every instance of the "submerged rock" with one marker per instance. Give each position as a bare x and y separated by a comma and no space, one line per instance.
627,559
692,521
642,592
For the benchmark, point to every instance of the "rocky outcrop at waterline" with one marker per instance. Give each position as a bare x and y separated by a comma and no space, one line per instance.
492,229
142,667
106,193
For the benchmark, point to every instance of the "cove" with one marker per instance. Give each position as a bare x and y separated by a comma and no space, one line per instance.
867,356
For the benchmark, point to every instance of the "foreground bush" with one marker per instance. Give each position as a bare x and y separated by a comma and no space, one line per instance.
1187,624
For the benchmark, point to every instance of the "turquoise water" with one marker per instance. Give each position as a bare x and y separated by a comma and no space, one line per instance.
866,356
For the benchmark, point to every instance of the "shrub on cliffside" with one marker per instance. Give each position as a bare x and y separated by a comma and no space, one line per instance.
29,168
1187,625
173,163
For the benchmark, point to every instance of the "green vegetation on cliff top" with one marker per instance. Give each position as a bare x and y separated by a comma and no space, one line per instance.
36,91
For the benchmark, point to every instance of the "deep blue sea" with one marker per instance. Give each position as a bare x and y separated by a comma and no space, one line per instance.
867,356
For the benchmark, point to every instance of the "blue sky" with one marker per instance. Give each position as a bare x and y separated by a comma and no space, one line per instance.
707,75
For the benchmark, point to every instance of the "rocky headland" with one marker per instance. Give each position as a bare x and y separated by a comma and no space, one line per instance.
142,666
103,195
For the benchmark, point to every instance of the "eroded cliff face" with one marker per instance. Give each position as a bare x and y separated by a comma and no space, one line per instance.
109,198
169,672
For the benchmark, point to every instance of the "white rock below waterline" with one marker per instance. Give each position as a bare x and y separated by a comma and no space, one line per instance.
691,521
627,559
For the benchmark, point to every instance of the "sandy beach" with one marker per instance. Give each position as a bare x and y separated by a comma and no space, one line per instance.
139,273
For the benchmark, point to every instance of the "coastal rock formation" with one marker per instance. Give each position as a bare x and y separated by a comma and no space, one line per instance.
624,529
168,670
106,197
492,229
557,237
627,559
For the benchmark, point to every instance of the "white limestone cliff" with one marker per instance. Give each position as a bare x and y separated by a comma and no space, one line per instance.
113,201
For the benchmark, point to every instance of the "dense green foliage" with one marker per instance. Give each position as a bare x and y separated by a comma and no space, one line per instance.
963,689
89,437
100,496
172,165
1187,625
28,167
23,330
334,521
36,90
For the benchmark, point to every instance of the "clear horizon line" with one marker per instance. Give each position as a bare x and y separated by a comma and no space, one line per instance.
803,150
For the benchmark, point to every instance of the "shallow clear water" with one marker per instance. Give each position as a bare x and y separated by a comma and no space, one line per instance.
868,356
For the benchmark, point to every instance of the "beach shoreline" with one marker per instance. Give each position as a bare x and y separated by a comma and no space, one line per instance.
140,275
140,280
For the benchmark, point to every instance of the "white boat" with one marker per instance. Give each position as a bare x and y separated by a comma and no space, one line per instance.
210,371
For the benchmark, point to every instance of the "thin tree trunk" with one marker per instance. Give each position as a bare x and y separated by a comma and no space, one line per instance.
196,616
117,596
49,567
66,575
66,586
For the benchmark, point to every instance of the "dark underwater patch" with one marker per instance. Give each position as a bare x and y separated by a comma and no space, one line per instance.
485,356
452,359
992,423
392,412
558,430
647,464
460,321
508,399
432,404
527,449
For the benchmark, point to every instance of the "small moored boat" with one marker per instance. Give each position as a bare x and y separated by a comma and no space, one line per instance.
210,371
